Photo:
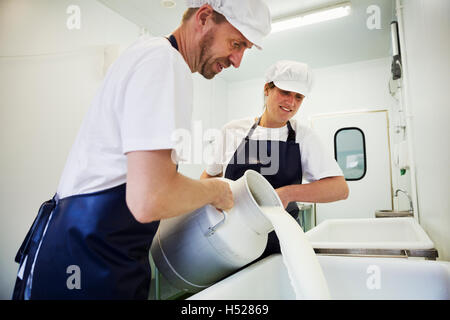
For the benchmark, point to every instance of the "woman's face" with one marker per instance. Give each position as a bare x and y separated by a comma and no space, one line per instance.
282,105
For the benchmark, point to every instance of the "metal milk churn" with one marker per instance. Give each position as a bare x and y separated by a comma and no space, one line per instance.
195,250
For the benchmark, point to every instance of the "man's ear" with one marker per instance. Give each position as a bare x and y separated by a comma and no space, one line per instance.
203,14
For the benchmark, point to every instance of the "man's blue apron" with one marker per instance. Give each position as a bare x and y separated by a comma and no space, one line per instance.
94,237
289,171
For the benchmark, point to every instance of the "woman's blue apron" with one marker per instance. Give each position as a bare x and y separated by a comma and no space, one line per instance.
93,248
289,168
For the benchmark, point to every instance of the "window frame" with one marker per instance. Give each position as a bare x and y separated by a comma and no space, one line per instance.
364,151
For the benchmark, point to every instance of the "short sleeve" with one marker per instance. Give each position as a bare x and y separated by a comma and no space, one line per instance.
157,102
317,162
224,146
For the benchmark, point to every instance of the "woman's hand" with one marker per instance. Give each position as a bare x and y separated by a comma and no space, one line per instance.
321,191
283,196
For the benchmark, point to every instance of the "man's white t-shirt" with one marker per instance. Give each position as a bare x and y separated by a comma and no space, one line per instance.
316,162
145,96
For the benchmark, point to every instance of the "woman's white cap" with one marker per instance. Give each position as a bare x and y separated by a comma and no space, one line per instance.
290,76
250,17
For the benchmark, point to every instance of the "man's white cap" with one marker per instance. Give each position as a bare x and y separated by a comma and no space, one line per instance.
290,76
250,17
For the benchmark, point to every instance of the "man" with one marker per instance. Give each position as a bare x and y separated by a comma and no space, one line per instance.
91,240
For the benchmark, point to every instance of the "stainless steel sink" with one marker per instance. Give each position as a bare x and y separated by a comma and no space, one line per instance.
392,214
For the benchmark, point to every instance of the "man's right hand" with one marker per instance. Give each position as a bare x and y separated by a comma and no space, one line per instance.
223,197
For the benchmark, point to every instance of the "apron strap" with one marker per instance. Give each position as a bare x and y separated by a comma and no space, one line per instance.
30,245
247,137
36,230
291,134
250,132
173,42
290,138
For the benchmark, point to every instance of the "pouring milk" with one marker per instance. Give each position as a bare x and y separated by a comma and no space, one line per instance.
302,265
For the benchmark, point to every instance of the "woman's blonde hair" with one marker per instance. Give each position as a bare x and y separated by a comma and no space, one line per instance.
271,85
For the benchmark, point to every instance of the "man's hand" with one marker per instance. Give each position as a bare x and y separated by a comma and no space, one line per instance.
224,196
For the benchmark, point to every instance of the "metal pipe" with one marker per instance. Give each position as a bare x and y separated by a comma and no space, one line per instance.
411,207
405,102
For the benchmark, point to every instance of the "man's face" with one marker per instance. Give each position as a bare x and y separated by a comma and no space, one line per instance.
221,47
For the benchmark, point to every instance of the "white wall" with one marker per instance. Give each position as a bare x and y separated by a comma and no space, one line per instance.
427,39
245,99
48,75
349,87
361,86
209,112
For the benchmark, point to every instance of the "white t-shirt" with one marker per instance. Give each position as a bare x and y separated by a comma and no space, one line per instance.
316,162
145,96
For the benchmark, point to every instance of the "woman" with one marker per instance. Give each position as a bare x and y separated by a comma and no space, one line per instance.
281,149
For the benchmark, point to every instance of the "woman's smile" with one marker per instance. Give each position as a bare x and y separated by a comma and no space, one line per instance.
285,109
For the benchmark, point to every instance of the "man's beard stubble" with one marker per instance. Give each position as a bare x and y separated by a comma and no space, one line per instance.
206,61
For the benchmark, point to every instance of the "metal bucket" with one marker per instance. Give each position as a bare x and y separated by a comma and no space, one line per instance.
195,250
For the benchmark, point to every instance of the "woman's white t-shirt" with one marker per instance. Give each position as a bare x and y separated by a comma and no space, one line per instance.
316,162
145,96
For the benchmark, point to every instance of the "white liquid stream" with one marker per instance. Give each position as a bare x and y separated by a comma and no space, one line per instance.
299,257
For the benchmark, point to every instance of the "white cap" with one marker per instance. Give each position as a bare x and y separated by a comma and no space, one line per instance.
290,76
250,17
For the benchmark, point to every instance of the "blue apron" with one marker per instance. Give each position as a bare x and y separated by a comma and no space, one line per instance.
289,171
95,235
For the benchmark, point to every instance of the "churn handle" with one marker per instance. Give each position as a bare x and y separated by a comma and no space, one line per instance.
213,229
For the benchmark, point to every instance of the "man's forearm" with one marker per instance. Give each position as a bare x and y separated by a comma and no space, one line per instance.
156,191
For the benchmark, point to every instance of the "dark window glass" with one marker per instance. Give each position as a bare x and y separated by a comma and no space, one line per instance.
350,152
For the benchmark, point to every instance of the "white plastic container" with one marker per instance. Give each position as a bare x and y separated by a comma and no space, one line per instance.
195,250
372,233
347,278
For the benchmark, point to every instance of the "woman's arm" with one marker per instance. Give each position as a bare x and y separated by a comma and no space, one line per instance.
155,190
321,191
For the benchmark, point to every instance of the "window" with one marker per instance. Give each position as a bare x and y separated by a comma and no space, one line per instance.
350,152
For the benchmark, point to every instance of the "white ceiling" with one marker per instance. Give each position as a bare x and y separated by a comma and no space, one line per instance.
340,41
